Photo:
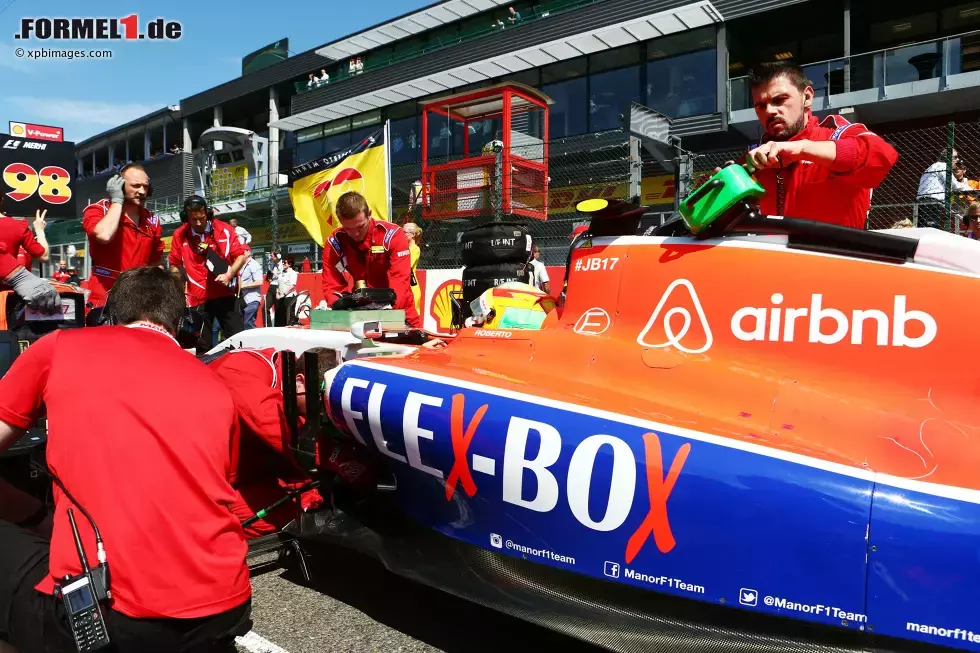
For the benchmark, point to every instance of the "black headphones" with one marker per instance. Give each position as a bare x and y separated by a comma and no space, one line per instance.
103,315
196,202
149,185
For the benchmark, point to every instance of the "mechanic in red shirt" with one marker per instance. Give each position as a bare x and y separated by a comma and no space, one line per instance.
122,232
814,170
61,274
263,464
369,250
149,466
16,234
210,294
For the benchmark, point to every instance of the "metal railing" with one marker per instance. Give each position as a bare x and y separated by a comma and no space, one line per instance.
259,191
935,59
532,14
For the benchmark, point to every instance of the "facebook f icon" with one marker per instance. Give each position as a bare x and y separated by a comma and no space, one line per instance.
611,569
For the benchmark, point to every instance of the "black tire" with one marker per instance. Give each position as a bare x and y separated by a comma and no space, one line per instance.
478,279
500,242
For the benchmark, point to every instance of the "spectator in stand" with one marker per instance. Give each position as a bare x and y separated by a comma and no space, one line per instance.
288,278
414,234
286,290
251,283
73,276
20,241
540,279
415,201
515,16
61,274
903,224
971,222
931,195
311,81
964,190
324,78
243,236
272,276
307,266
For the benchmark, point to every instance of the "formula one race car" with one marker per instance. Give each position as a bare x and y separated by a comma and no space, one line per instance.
743,433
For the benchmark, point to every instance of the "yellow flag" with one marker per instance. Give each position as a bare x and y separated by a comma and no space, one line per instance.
314,187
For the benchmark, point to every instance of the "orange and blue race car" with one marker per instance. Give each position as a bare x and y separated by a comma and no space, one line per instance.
742,433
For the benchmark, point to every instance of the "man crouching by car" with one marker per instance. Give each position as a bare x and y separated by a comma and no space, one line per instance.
262,467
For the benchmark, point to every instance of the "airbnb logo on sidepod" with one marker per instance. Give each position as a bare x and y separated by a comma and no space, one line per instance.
672,323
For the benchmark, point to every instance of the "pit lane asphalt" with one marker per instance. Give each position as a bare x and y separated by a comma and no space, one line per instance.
354,604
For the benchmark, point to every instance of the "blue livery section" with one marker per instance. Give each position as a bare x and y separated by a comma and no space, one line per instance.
925,568
680,513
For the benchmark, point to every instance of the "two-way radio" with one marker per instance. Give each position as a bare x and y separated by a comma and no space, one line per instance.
82,594
79,594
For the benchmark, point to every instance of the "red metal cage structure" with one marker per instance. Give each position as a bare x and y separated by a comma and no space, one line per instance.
507,173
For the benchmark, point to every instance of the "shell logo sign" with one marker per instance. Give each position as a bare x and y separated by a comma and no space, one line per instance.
441,308
36,132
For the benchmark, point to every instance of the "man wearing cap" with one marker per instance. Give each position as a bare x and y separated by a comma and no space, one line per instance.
199,247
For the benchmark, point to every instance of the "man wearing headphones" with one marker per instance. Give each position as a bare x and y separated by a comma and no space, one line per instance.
812,169
199,247
122,233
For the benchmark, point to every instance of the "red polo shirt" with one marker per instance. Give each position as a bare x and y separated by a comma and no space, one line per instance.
254,378
133,246
146,457
19,239
189,250
7,262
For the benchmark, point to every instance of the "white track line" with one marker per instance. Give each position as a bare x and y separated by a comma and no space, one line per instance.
255,643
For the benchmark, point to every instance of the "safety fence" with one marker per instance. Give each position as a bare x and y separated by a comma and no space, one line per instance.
935,180
933,183
577,168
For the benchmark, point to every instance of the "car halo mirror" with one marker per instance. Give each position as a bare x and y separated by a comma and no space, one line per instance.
366,330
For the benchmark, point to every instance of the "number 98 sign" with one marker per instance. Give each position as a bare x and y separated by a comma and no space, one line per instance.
34,175
50,183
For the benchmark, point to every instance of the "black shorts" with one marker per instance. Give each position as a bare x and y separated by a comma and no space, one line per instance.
35,622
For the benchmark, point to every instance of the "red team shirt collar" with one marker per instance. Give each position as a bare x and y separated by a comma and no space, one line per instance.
151,327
